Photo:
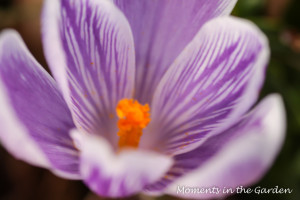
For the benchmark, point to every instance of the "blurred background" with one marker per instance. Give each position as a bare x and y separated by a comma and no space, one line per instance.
279,19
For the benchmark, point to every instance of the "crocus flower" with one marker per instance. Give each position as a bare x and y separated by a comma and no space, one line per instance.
150,95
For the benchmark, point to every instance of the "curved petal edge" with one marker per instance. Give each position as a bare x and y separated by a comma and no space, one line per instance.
249,151
213,82
117,174
34,118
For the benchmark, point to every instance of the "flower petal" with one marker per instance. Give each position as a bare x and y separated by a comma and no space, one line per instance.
119,174
35,120
89,47
238,157
162,29
213,82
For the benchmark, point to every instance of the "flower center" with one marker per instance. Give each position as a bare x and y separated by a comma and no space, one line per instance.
133,118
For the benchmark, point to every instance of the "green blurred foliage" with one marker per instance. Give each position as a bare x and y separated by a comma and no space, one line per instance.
292,17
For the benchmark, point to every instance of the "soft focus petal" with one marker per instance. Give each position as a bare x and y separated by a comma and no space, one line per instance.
119,174
238,157
213,82
89,47
30,152
161,29
35,120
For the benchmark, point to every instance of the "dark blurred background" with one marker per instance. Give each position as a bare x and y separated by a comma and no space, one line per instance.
279,19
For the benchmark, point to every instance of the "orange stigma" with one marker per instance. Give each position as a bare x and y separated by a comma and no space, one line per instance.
133,118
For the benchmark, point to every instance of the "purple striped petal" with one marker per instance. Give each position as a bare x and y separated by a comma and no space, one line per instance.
35,120
239,156
213,82
161,30
120,174
89,47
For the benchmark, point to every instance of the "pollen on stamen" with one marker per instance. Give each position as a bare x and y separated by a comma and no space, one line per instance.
133,118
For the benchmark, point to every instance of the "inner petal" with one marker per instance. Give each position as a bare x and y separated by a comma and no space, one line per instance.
133,118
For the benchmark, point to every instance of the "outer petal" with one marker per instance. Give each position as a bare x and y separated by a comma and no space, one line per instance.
213,82
246,151
35,120
238,157
117,175
162,29
89,47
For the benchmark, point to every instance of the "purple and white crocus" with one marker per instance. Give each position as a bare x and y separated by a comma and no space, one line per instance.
198,70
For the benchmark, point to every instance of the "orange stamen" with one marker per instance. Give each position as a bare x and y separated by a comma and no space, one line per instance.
133,118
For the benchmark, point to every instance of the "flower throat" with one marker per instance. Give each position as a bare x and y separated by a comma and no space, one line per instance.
133,118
